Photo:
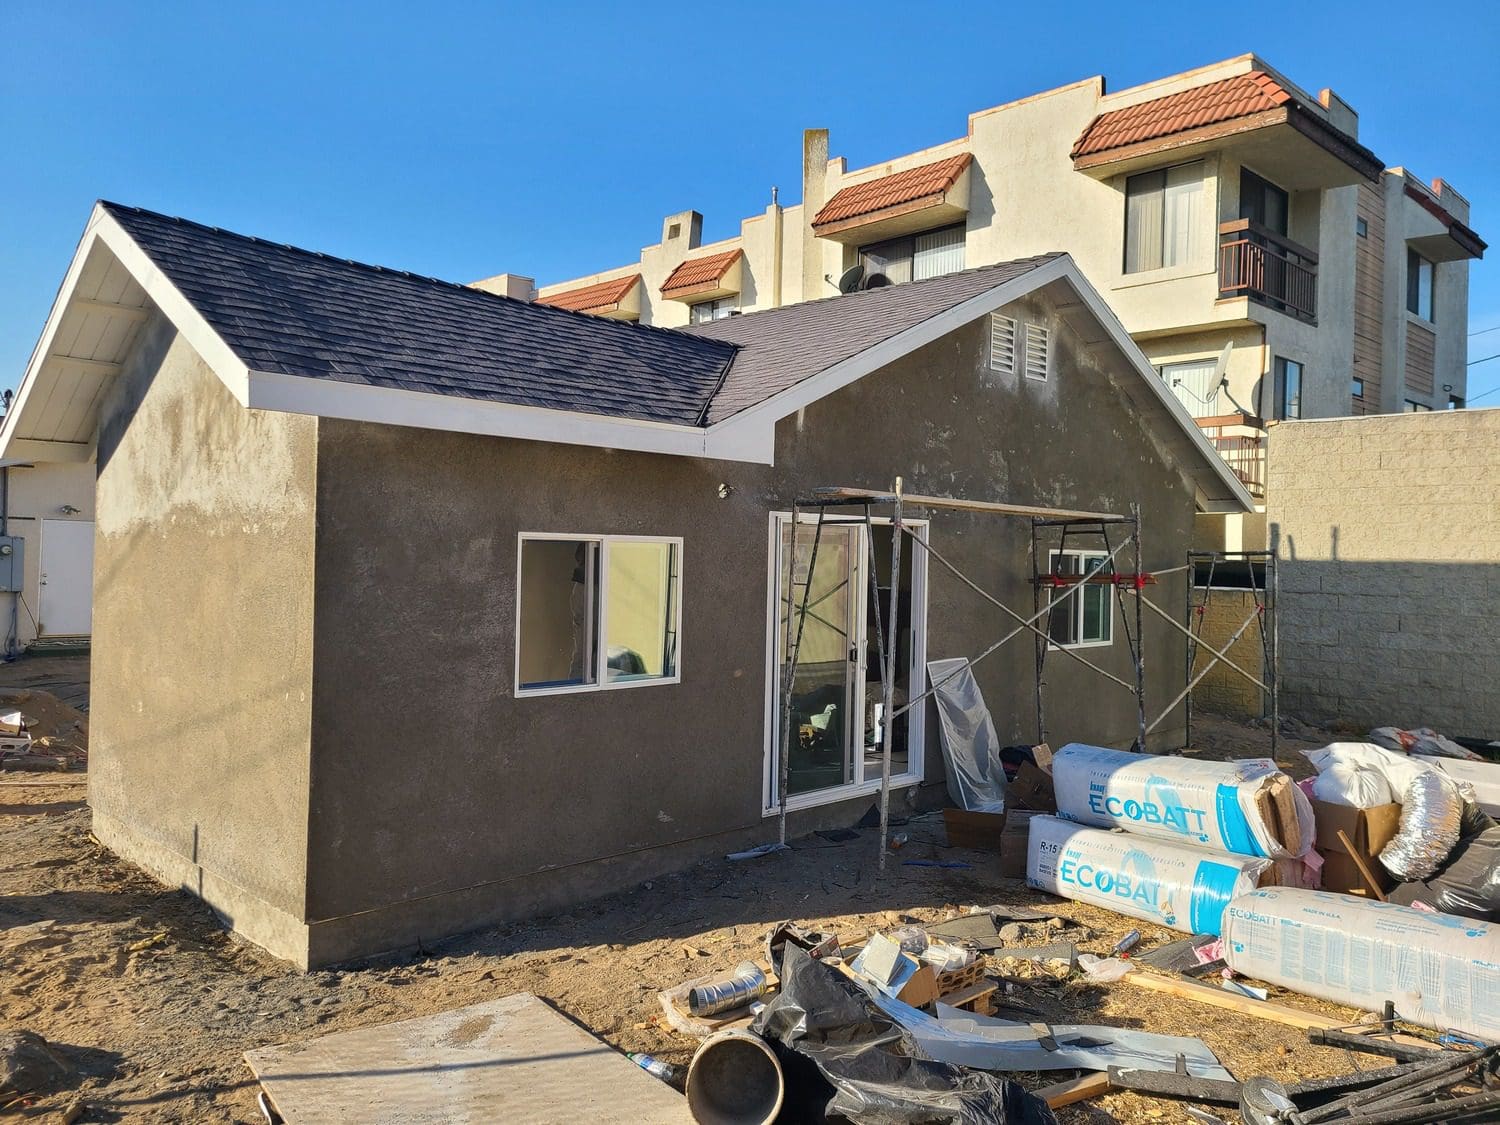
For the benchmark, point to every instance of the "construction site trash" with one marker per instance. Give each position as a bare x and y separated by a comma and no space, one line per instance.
727,993
653,1065
818,943
1482,777
1422,740
1103,970
735,1079
1169,884
1264,1101
866,1067
971,748
1432,812
1354,785
1247,807
1437,969
1468,883
758,851
1127,943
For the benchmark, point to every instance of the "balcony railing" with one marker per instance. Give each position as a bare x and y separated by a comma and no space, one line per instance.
1241,441
1256,263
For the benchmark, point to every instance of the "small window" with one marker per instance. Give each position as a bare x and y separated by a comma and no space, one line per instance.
1164,218
1455,402
1419,277
915,257
1002,344
1415,407
674,231
705,311
1361,228
1038,351
597,611
1358,389
1288,388
1085,618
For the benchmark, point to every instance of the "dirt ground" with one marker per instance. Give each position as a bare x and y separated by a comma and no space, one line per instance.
154,1004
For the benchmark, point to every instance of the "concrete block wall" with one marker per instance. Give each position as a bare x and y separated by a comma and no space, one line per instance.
1222,690
1388,531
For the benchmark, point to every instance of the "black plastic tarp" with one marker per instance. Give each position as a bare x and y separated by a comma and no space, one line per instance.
866,1068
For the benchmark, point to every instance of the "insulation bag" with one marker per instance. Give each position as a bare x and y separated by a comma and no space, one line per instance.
1247,807
1441,971
1172,885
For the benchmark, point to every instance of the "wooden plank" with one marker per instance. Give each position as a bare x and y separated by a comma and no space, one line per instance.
1244,1005
512,1059
863,495
1079,1089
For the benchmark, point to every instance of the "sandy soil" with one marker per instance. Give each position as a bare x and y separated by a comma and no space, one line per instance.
155,1005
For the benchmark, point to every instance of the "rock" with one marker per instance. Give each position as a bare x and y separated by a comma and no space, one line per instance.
29,1066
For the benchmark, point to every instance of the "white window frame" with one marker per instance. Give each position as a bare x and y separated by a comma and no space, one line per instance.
720,308
1089,559
916,727
601,654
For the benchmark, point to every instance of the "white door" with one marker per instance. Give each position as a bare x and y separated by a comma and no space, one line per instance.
67,597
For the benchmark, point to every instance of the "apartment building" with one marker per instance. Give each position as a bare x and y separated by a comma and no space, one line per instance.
1268,264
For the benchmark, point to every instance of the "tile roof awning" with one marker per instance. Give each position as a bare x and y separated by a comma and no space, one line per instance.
705,279
1253,109
920,198
619,298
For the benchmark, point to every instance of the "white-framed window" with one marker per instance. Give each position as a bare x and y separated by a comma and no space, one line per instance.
1038,351
1004,344
1164,218
705,311
595,612
915,257
1086,619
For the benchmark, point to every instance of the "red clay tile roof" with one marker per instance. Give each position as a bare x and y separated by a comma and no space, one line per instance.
602,295
1240,96
697,272
893,190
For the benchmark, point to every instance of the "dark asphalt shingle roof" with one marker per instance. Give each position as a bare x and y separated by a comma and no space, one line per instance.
295,312
781,347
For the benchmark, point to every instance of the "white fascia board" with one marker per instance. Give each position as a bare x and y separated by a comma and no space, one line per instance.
394,406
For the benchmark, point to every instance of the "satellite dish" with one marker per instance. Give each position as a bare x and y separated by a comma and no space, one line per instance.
851,278
876,281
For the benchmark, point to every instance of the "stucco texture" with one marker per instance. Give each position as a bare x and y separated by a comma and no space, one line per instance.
1388,532
203,640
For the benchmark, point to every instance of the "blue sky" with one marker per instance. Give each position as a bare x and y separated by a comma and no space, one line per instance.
461,140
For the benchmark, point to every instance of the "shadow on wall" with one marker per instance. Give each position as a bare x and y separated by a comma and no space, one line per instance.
1375,643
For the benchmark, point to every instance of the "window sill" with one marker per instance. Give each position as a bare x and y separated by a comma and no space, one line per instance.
843,793
1167,273
1054,646
588,689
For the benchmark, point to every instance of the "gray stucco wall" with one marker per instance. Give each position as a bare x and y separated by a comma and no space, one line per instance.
202,667
440,802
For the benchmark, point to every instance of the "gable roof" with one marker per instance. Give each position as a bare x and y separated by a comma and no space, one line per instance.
604,295
296,331
906,186
700,272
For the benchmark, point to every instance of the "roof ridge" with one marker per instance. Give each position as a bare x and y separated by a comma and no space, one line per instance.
477,294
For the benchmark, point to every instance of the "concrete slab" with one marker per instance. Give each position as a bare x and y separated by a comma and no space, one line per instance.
514,1059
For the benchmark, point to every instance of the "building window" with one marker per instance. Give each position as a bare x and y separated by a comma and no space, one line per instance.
1361,228
1263,203
705,311
1038,351
1003,344
597,611
1288,388
914,257
1358,388
1455,402
1419,273
1084,619
1164,217
1415,407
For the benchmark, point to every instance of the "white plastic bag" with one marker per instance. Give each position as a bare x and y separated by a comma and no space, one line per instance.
1398,770
1348,783
1173,885
1210,804
1440,970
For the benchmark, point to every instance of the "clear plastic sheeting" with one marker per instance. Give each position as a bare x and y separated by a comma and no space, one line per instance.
843,1057
971,748
1173,885
1440,971
1246,807
1432,811
1423,740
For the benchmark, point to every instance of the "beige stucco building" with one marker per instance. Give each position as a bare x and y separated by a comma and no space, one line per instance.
1268,264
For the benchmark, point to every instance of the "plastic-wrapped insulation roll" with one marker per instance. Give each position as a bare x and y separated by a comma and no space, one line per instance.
1247,807
1439,970
1173,885
1432,812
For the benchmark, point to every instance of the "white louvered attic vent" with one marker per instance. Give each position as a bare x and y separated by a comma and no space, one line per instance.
1002,344
1038,344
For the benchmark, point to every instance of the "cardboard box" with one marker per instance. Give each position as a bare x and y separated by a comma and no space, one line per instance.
1014,842
982,831
1031,788
922,989
1369,830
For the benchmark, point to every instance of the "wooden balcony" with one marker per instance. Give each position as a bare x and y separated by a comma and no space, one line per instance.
1267,268
1241,440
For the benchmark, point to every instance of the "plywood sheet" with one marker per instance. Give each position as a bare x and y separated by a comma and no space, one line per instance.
512,1060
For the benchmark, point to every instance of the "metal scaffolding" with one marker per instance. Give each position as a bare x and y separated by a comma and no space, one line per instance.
1061,589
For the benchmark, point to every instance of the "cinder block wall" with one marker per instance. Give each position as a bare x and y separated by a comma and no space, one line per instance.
1222,690
1388,528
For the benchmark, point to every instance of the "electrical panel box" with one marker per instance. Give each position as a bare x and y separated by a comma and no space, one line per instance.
12,569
